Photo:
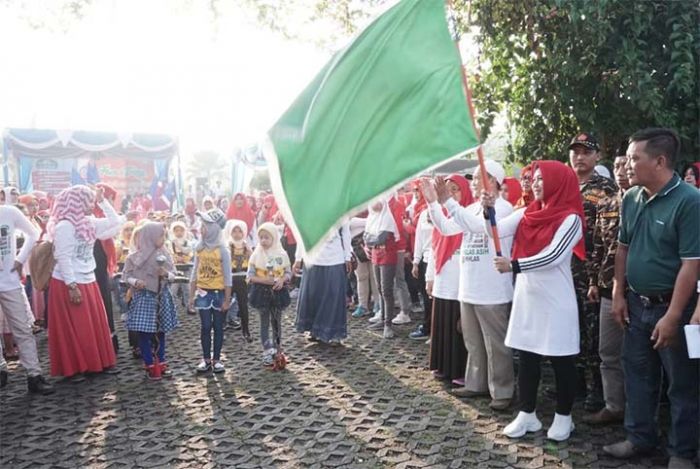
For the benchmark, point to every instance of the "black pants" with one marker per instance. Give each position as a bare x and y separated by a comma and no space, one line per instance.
240,288
427,301
529,381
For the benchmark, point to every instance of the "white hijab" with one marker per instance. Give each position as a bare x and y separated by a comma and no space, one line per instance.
276,252
383,220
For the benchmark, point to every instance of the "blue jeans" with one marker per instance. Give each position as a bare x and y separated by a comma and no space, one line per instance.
642,366
209,317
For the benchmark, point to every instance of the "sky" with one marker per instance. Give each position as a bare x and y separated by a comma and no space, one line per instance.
147,66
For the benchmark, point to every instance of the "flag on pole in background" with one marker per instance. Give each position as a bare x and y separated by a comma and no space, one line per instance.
385,108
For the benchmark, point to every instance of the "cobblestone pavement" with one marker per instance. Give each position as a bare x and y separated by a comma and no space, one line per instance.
371,403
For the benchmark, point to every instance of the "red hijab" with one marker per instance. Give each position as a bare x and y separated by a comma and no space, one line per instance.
420,205
526,198
270,201
445,246
514,190
107,244
244,213
542,219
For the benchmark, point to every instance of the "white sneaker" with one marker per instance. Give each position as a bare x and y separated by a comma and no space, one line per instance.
377,317
401,318
522,424
203,366
561,428
219,367
294,293
388,332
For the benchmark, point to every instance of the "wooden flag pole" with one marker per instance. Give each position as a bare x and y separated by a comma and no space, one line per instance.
479,152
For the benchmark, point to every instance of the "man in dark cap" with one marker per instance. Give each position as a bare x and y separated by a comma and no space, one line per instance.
584,154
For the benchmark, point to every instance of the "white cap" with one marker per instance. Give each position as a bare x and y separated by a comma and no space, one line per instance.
494,169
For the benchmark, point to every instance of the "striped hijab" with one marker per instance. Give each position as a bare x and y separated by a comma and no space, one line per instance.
72,204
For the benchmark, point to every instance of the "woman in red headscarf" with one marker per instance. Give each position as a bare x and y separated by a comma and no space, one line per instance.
544,317
239,209
448,357
526,196
105,253
511,190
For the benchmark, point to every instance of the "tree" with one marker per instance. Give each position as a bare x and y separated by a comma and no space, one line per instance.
610,66
260,181
211,165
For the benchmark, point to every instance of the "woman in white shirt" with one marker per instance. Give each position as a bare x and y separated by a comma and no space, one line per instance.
79,336
544,318
448,356
321,309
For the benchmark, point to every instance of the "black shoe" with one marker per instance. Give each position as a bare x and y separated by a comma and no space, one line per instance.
3,378
39,385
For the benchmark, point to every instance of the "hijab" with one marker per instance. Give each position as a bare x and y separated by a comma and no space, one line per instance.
261,256
71,204
514,190
562,197
244,213
142,263
212,238
7,191
270,201
445,246
228,232
382,220
420,204
526,198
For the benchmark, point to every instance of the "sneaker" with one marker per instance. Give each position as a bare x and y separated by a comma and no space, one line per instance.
219,367
376,325
203,366
418,334
561,428
401,318
359,312
294,293
388,333
427,342
153,373
676,462
236,324
377,317
165,371
39,385
416,307
268,359
499,404
522,424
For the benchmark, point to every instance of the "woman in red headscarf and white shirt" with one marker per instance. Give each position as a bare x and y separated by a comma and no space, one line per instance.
448,356
544,317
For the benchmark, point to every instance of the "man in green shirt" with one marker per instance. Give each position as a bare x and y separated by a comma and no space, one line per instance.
656,268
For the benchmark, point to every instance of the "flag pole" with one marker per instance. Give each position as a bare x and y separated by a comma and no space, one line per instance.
479,152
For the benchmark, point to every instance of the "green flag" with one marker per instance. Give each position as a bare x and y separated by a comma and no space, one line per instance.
387,107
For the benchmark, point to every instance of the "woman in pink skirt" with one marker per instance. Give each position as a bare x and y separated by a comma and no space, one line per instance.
79,336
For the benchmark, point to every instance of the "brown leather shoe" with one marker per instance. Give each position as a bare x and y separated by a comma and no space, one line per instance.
604,416
499,404
464,392
624,450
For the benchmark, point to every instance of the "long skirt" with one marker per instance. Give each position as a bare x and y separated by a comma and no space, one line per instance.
321,308
79,337
448,357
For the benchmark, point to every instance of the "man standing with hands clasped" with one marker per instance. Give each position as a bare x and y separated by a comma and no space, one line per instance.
656,269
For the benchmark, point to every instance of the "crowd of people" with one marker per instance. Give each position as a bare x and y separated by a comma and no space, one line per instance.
591,272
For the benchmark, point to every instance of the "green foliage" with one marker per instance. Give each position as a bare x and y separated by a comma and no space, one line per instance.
607,66
211,165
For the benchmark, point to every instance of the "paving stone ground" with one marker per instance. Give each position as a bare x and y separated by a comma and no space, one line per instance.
371,403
